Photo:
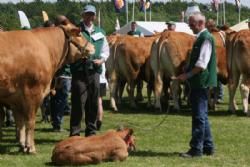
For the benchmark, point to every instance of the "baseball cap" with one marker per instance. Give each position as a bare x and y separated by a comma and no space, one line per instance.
89,8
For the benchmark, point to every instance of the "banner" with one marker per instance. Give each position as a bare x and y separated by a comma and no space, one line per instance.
119,5
237,3
25,24
144,5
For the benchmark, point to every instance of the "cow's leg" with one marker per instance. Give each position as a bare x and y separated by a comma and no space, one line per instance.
139,86
30,128
244,90
113,91
149,92
119,154
175,85
131,94
20,125
120,91
232,86
2,115
158,90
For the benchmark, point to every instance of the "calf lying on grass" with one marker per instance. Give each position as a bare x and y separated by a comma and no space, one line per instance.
111,146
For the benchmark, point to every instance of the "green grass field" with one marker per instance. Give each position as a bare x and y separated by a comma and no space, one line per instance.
157,146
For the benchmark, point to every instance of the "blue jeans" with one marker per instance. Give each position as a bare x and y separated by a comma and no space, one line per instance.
59,102
201,134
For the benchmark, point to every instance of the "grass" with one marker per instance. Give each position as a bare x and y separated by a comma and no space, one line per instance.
157,146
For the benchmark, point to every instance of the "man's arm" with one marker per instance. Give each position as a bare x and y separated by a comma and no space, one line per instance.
202,62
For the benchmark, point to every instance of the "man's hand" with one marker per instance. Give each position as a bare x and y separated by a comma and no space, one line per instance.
182,77
98,61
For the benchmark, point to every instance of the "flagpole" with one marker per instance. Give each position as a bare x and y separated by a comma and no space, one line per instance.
150,12
133,14
127,11
224,13
99,18
239,12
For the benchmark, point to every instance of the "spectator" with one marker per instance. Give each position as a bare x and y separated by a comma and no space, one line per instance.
134,31
86,76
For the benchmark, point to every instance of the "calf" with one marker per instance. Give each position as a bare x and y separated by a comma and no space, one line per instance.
111,146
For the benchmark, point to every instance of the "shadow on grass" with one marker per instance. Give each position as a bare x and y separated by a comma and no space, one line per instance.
150,153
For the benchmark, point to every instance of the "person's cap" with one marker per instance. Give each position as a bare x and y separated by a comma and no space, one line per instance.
248,20
170,23
89,8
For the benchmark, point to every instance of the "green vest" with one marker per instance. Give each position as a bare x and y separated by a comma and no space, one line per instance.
89,65
64,71
136,32
208,77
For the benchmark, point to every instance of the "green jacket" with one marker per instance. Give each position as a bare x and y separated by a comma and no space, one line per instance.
207,77
88,64
136,32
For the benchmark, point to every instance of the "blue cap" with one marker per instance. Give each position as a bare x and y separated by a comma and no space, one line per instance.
89,8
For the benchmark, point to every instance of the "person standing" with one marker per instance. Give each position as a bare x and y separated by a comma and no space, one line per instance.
86,76
201,75
134,31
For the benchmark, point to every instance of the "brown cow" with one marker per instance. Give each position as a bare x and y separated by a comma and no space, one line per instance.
76,150
172,52
239,65
29,60
128,56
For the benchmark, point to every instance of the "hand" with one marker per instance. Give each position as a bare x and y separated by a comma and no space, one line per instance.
98,61
182,77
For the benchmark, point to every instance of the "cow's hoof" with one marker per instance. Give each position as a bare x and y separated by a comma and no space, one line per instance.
30,150
157,109
115,109
22,149
231,111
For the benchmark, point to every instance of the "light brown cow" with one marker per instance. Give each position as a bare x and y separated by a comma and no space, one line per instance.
111,146
172,52
239,65
29,60
129,55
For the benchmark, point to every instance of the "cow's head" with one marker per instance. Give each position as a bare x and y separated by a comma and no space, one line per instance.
79,47
127,135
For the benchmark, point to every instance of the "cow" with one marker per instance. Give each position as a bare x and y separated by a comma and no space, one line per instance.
29,60
129,55
112,146
172,53
238,53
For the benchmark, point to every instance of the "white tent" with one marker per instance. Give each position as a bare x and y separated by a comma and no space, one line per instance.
240,26
149,28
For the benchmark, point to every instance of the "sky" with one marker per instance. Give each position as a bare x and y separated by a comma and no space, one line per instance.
243,2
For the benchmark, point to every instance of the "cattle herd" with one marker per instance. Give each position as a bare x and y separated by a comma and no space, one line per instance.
30,58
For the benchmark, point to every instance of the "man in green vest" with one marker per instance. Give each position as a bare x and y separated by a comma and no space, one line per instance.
135,32
201,75
85,76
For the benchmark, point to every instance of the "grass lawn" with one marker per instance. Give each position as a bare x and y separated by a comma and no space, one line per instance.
157,146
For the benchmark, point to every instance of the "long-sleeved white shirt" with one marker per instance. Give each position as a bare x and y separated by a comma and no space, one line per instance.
205,53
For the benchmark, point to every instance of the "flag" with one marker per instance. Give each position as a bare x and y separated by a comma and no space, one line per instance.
215,5
117,25
144,5
45,16
237,3
25,24
119,5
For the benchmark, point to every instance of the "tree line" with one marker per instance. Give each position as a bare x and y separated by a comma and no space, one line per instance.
159,11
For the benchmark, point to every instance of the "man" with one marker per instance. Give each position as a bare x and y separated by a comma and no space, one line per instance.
135,32
201,74
85,76
171,25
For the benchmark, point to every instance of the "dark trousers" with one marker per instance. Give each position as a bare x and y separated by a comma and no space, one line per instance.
84,98
201,134
59,102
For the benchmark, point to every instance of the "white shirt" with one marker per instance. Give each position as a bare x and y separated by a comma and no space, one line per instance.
205,53
104,53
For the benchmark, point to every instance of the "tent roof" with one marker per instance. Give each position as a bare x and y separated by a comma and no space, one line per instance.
149,28
240,26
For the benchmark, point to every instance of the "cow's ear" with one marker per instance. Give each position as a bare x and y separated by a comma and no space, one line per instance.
75,31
